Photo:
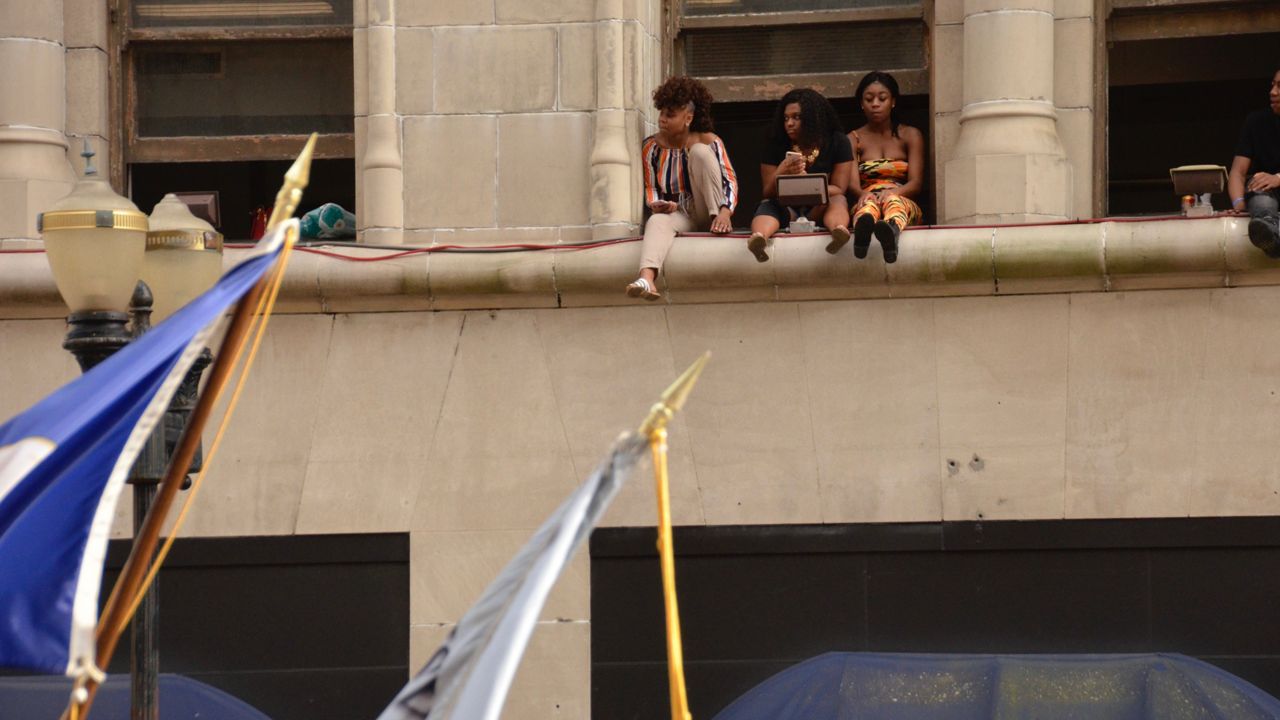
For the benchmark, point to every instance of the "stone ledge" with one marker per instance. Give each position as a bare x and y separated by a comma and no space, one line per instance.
934,262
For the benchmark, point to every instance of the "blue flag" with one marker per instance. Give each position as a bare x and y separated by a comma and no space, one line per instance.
63,463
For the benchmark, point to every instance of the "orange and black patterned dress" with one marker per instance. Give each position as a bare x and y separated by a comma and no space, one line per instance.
884,173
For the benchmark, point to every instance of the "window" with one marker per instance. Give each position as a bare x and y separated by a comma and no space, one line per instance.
1181,76
236,89
219,14
747,49
217,93
750,52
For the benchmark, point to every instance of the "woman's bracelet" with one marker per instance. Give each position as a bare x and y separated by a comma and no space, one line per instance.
1236,200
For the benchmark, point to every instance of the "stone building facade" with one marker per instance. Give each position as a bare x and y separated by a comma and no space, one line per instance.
1112,369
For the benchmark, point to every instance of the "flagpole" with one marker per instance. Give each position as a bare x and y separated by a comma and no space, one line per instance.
655,427
113,619
135,566
675,647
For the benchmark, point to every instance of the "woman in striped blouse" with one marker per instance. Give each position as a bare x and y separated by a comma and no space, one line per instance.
689,183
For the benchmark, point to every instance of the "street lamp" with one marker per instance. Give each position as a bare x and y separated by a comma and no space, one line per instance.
100,249
183,258
96,242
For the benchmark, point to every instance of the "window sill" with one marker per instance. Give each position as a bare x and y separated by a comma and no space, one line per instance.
1109,255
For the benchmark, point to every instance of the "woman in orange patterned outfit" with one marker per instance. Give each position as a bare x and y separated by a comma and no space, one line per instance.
890,159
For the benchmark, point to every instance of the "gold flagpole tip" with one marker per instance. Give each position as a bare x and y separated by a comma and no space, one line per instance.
674,397
295,180
300,171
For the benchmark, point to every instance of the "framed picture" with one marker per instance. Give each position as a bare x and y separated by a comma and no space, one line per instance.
203,205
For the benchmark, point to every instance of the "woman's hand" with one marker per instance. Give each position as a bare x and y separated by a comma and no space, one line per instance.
663,206
888,192
722,223
1264,182
792,165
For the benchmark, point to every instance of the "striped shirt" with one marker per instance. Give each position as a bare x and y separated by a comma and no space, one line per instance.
666,173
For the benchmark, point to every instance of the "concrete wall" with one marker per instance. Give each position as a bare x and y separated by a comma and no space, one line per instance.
88,104
503,113
465,428
35,64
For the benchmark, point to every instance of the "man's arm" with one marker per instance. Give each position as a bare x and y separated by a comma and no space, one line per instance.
1235,182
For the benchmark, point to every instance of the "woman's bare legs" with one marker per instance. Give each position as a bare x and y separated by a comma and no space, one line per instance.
764,225
762,228
836,219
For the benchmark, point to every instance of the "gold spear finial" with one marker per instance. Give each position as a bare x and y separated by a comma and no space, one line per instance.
673,398
295,180
655,429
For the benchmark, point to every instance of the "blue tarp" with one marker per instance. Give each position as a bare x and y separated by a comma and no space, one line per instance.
887,686
181,698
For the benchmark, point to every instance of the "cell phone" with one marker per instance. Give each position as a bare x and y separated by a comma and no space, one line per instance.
793,153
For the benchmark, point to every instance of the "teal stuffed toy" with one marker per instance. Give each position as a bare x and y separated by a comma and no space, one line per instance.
328,222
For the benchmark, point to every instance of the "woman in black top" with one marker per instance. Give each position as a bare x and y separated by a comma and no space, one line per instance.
806,138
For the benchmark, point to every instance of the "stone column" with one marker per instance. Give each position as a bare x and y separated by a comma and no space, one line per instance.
611,196
85,27
379,166
1009,164
34,171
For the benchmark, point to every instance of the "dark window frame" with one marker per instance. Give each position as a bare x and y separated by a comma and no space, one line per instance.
749,88
129,147
1140,20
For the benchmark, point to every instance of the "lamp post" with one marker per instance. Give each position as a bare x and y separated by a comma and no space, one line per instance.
95,241
100,248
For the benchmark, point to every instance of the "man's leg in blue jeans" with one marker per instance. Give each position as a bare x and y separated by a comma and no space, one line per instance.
1264,212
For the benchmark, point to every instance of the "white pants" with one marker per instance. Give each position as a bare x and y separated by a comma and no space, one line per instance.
705,177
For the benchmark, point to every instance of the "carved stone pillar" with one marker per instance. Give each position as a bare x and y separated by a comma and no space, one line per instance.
34,171
1009,164
611,191
379,166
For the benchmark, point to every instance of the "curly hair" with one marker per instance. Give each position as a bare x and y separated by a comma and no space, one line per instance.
818,119
885,79
678,92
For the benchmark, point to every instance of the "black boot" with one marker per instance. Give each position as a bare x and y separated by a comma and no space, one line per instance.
1264,237
862,235
887,234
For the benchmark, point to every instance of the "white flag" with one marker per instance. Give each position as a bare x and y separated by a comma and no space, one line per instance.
469,676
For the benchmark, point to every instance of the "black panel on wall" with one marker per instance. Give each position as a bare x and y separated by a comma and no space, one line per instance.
755,600
302,627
